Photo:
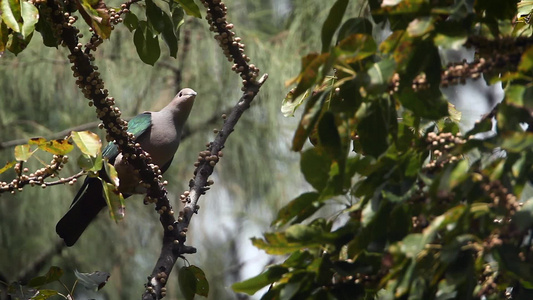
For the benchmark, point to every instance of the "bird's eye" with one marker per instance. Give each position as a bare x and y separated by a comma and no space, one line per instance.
179,94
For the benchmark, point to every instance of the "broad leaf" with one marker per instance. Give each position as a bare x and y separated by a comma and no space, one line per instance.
190,8
146,43
88,142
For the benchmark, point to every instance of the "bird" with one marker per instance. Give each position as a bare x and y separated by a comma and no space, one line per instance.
158,133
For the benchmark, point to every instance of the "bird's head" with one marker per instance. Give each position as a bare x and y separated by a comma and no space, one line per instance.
181,105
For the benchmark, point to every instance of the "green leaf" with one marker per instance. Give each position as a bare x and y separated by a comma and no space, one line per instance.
96,14
44,26
90,163
53,274
8,166
524,217
114,199
380,75
23,152
309,72
355,48
353,26
202,286
131,21
4,35
310,117
154,16
328,134
429,104
254,284
187,282
89,143
177,19
146,43
94,280
44,294
332,23
315,166
30,16
190,8
11,14
421,26
298,209
169,36
373,127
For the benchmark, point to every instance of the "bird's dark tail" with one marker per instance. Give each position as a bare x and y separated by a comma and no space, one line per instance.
86,205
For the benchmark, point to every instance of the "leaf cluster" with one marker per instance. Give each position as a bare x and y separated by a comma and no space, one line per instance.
426,211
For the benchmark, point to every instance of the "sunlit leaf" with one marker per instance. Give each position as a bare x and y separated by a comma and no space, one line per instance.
30,16
57,147
114,199
8,166
11,14
23,152
88,142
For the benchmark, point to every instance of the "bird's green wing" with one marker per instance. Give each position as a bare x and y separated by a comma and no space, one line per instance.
136,126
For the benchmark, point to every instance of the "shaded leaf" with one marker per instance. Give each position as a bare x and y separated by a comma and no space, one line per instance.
146,43
190,8
53,274
310,117
90,163
155,16
94,280
353,26
252,285
298,209
315,166
309,73
131,21
202,286
332,23
187,282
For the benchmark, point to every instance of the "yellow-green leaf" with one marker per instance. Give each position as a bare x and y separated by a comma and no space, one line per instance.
88,142
115,201
57,147
37,141
30,16
11,13
23,152
7,166
96,15
190,8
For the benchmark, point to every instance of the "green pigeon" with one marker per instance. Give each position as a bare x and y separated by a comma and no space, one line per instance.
158,133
